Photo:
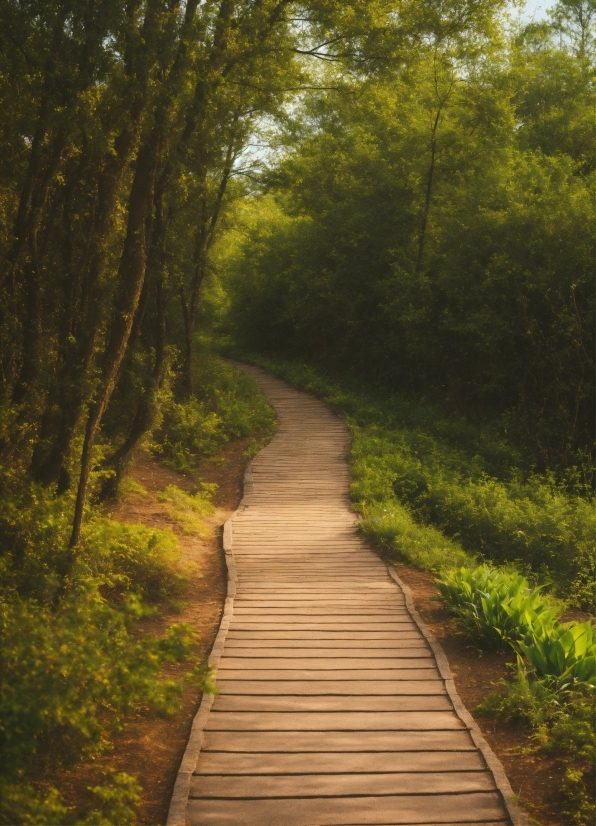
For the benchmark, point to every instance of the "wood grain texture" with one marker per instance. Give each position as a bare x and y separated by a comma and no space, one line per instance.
332,707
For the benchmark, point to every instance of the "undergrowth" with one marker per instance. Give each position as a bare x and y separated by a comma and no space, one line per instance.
563,726
227,405
440,492
188,509
75,661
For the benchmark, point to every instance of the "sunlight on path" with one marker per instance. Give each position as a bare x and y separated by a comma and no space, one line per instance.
331,707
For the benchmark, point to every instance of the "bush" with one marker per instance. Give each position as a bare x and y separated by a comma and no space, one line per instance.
401,537
69,674
470,486
562,654
498,608
188,509
563,725
133,558
495,608
74,660
73,663
230,407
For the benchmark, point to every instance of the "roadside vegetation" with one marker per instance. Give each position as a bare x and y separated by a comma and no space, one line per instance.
434,283
554,677
445,495
420,229
75,665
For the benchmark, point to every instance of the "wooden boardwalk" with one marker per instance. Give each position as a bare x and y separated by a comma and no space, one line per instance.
333,708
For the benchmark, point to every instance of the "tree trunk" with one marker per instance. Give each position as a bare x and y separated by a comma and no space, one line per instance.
146,408
429,189
131,274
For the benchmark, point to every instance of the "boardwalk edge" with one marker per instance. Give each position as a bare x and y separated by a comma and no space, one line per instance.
518,817
179,801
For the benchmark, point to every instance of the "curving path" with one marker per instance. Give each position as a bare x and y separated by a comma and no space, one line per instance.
336,705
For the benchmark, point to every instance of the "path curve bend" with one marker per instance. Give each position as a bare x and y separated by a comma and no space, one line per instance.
336,705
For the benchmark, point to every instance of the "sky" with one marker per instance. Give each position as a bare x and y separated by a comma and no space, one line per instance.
536,9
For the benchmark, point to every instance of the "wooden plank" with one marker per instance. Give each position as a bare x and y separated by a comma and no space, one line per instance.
361,656
310,607
267,662
321,636
239,644
333,721
331,625
337,687
391,809
287,742
431,702
220,763
312,674
338,785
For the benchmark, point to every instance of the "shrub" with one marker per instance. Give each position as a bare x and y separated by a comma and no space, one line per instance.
134,558
68,673
561,654
230,407
476,491
496,608
563,725
188,509
402,538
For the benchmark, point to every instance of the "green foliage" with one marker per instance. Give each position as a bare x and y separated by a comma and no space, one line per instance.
118,798
562,653
394,529
496,608
229,407
187,509
65,670
448,248
133,559
441,492
563,724
22,803
523,700
74,662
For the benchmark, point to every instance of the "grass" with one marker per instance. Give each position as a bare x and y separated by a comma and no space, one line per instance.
562,724
188,509
440,493
76,663
226,406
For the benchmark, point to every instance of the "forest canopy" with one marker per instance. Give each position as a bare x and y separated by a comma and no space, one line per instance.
430,225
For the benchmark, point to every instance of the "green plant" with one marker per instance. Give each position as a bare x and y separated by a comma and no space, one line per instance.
394,529
563,725
188,509
118,799
495,607
20,802
521,699
561,654
133,558
228,405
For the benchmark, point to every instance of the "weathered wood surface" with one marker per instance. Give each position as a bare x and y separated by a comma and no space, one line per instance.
332,709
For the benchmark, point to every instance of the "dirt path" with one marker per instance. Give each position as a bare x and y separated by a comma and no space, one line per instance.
335,704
